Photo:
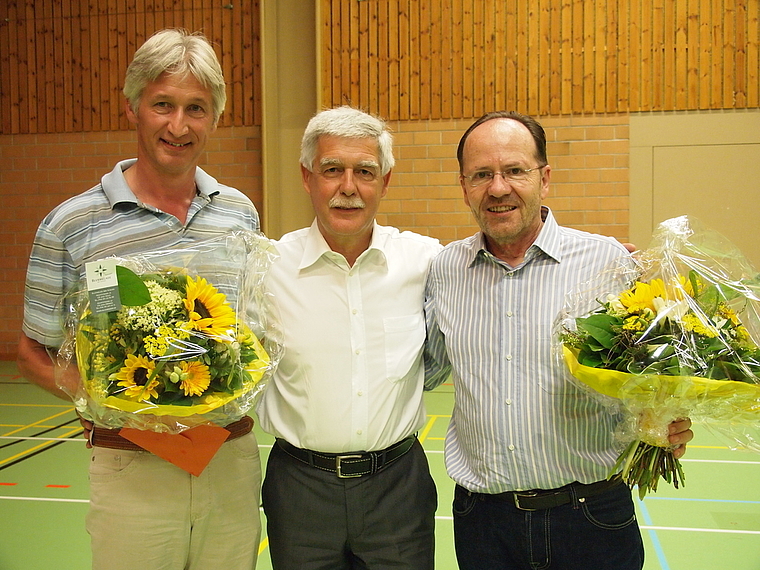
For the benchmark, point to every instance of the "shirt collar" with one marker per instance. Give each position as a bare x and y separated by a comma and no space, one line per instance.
118,191
316,248
547,241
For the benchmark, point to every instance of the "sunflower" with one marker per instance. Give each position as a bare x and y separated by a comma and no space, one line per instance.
134,376
641,296
193,377
208,309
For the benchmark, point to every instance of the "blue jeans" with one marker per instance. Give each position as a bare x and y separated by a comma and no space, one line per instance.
596,533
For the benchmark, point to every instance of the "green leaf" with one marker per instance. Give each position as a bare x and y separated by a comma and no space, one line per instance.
599,326
132,291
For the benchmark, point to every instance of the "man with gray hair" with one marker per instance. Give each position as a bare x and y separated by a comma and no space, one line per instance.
347,483
144,511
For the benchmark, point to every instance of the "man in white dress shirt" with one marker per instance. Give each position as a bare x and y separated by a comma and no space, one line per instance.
347,482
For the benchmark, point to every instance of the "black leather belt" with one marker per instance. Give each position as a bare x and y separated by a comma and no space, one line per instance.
346,465
546,499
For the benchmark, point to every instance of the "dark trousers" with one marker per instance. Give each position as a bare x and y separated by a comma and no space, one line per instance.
316,521
597,533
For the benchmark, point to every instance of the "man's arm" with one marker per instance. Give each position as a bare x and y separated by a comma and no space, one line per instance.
35,364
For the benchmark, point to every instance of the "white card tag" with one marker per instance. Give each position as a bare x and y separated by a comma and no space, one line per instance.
102,286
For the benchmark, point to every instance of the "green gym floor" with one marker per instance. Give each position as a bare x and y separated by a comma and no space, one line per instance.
711,524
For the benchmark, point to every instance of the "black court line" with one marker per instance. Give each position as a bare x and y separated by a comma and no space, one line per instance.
43,432
29,456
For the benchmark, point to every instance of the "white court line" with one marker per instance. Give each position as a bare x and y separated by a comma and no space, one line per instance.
687,529
732,461
54,500
80,438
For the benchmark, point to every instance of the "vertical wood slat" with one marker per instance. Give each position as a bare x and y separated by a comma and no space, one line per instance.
753,53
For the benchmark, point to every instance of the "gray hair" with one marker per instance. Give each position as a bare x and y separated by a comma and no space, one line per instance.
177,52
349,123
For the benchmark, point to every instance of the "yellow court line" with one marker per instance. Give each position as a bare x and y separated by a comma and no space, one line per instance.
38,422
429,425
263,545
69,406
36,447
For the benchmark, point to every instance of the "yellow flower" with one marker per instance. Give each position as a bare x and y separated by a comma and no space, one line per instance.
208,309
692,322
134,377
193,377
641,296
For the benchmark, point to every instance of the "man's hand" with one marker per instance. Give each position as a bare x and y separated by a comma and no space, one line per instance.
679,435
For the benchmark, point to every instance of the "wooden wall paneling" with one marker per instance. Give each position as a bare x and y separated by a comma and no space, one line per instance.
634,68
566,54
468,88
475,66
35,68
383,61
437,58
226,18
446,62
413,61
600,55
250,69
64,80
658,59
8,65
501,59
577,73
237,15
23,62
692,42
511,100
589,57
705,44
74,78
555,58
425,74
729,49
715,64
354,79
680,54
544,71
624,57
753,53
534,64
394,85
111,62
522,7
364,61
345,41
457,63
611,57
740,86
646,55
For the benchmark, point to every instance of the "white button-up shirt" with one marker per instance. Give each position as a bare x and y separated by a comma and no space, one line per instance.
351,375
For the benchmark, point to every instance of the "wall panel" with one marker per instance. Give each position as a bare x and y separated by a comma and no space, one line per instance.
545,57
62,64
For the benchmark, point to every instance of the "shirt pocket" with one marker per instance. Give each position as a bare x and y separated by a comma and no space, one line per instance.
404,337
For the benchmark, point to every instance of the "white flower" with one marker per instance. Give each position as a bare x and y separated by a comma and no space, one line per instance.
672,310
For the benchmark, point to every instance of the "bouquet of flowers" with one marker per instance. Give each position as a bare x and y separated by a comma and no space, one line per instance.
678,336
184,337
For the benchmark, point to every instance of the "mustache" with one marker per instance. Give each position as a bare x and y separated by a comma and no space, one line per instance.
346,202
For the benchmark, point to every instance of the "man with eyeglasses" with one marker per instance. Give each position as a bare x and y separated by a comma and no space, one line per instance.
347,483
529,452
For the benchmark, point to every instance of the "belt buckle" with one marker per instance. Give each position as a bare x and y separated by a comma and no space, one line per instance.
338,471
516,498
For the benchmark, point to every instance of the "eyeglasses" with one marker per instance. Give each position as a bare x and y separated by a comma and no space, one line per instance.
514,174
365,174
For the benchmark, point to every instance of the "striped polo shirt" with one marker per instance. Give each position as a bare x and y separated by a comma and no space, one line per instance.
517,423
108,220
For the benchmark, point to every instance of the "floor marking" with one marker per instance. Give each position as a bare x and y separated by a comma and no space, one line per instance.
35,448
57,486
687,529
8,484
263,545
83,440
660,553
731,461
45,499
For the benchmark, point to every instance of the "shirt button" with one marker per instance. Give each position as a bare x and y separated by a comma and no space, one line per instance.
354,312
510,313
511,448
360,393
508,402
358,432
357,351
508,357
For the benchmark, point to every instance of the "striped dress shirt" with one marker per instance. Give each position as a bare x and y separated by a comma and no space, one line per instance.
108,220
517,423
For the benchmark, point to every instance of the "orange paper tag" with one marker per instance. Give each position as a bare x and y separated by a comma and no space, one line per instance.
190,450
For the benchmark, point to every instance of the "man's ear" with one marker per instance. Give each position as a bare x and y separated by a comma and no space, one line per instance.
131,115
